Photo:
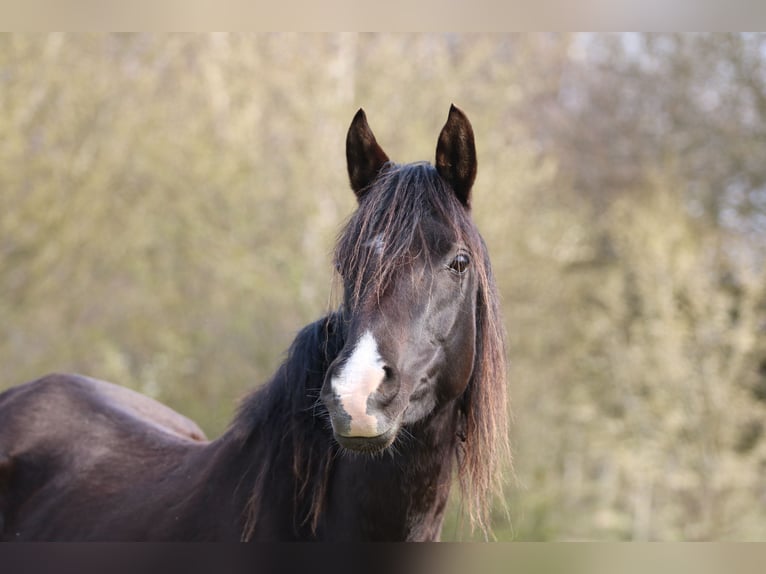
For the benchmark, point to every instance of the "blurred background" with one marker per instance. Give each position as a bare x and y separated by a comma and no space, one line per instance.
168,207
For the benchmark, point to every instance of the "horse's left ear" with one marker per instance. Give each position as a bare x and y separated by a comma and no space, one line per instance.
456,155
364,157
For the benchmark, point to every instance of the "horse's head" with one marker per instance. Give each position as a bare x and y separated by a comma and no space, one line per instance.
415,277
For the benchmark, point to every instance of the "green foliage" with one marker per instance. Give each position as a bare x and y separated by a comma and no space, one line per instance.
168,206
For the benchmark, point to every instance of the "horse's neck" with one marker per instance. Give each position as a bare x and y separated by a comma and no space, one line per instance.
278,449
292,481
399,495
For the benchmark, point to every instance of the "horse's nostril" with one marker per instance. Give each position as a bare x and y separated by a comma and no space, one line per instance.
388,388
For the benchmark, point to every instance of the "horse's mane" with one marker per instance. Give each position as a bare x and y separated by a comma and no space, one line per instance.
286,418
395,211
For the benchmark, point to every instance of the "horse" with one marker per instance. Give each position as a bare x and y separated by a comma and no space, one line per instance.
377,409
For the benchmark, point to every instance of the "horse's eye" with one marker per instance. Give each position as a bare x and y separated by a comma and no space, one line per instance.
460,263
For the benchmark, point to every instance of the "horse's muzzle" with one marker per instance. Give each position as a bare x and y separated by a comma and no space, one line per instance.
368,444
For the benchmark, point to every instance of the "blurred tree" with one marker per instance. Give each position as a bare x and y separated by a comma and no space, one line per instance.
649,266
623,104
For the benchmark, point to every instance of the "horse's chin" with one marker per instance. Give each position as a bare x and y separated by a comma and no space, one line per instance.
369,445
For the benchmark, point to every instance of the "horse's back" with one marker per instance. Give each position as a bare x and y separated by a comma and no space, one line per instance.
68,441
70,395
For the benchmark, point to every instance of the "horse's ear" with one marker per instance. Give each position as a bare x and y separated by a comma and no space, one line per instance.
364,156
456,155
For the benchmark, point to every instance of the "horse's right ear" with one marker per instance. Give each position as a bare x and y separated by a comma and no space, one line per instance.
364,156
456,155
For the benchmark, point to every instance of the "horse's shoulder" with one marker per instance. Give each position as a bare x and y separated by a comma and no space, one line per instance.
75,396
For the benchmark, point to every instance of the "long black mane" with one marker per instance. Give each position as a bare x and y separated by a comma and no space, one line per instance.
285,418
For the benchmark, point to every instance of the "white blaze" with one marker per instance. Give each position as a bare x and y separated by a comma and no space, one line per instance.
357,379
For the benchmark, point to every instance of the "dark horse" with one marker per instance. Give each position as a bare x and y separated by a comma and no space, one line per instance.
354,438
